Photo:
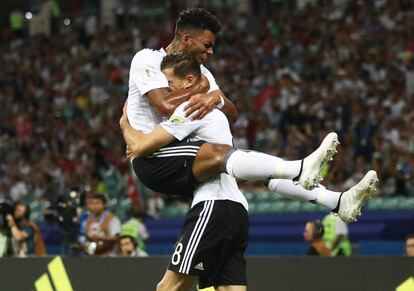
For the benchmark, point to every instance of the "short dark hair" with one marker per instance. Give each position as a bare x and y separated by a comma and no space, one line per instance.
318,229
197,18
133,240
100,196
409,236
182,63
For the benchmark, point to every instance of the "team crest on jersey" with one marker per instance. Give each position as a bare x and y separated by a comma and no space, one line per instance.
176,120
147,74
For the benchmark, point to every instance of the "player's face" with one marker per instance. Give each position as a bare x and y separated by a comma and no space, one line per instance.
174,82
200,44
409,247
177,83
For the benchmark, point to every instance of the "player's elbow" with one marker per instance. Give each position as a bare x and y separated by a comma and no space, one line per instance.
234,116
123,123
141,151
136,150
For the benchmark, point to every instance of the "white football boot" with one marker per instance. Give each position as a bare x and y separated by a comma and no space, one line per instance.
352,200
313,164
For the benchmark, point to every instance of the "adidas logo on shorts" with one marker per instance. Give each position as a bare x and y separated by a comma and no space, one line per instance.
199,266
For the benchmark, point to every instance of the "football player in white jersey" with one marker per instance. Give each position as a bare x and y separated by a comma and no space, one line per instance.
183,71
150,101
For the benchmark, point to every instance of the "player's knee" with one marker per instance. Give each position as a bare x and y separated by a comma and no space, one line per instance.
222,153
218,153
210,161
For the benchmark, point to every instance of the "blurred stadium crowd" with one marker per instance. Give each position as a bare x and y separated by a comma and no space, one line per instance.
295,69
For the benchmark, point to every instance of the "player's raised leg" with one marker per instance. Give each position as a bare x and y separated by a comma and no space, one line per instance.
347,204
255,166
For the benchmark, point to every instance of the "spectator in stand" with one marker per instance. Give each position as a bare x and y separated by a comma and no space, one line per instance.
336,235
136,225
409,245
313,237
26,238
128,243
102,228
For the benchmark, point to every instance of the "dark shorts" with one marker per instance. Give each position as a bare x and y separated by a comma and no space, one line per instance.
212,244
169,170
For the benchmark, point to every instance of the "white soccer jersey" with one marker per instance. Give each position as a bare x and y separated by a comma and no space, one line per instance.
145,75
214,128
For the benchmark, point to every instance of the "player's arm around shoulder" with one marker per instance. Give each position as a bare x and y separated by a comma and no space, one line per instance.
201,104
215,98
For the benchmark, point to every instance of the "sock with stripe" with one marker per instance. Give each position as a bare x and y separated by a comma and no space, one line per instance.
255,166
319,195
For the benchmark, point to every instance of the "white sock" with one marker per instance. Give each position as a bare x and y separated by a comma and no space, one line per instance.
320,195
254,166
